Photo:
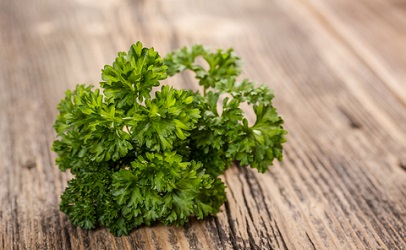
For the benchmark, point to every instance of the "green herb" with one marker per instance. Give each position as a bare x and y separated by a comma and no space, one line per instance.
139,159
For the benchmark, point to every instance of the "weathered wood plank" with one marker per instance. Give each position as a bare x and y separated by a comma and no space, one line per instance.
342,94
375,31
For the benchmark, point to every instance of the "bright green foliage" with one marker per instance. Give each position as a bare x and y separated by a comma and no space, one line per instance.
139,159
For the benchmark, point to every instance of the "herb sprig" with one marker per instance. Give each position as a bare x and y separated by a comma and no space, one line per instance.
138,159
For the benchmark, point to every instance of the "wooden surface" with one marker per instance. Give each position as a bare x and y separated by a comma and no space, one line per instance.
338,69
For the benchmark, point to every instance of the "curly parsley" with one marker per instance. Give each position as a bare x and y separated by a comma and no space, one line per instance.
140,159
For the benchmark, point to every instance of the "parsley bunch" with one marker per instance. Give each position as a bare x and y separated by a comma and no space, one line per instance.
139,159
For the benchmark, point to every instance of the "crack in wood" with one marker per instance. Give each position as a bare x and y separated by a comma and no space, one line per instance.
220,232
66,232
281,237
310,240
16,230
155,241
191,237
251,240
172,239
233,234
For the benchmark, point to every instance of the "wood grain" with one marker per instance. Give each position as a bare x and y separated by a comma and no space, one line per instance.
337,68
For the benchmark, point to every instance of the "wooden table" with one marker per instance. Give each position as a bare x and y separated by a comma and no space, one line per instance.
338,69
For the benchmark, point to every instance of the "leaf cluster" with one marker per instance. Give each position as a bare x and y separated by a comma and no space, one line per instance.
140,159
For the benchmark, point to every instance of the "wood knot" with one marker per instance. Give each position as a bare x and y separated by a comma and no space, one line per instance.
29,164
353,121
402,164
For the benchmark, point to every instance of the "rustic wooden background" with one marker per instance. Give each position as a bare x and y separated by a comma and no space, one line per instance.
338,69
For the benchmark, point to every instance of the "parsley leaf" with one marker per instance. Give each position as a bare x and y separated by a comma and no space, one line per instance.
139,159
